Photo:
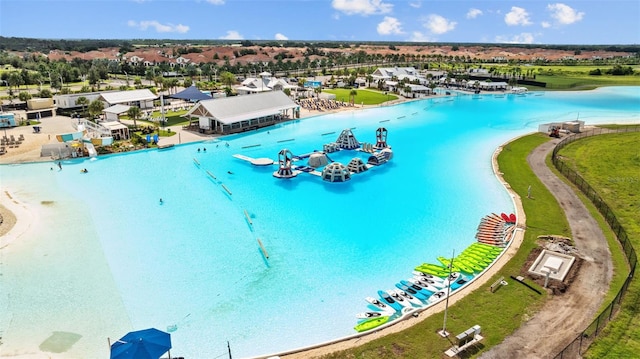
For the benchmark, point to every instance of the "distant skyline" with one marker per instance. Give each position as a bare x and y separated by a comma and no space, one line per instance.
583,22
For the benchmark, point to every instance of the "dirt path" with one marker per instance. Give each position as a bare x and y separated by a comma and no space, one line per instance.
566,315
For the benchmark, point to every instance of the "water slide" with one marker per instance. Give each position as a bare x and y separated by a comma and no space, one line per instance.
92,150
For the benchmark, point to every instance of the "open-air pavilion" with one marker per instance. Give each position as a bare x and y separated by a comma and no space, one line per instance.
241,113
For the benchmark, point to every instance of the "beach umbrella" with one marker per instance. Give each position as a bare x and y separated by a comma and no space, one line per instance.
142,344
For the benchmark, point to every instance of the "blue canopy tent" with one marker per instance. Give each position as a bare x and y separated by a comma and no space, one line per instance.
191,93
142,344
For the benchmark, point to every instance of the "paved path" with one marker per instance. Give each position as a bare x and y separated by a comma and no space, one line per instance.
564,316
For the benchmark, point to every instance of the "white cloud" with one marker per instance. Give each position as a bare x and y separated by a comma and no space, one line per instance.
390,26
216,2
362,7
418,36
564,14
523,38
438,24
232,35
279,36
517,16
473,13
144,25
545,24
416,4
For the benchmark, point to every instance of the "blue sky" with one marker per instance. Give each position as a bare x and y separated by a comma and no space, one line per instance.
497,21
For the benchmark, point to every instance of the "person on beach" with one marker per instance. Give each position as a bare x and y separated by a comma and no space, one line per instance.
60,165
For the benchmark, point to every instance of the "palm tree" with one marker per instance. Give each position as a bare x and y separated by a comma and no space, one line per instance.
82,101
352,96
95,108
134,113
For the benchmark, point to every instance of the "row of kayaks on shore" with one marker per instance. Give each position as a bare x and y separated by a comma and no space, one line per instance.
429,284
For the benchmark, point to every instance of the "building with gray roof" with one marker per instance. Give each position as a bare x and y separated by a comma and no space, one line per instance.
241,113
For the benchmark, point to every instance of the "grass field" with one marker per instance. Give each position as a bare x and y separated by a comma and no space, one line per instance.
611,164
498,313
583,81
366,97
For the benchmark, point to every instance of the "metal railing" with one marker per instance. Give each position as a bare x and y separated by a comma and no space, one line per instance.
588,335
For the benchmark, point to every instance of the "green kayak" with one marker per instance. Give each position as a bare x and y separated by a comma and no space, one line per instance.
457,266
371,323
433,269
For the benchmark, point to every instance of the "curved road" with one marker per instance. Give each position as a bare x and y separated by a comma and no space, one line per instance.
564,316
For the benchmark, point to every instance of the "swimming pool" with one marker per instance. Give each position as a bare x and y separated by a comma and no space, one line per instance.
107,258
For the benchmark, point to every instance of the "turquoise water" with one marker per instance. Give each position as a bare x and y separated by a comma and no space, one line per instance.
193,265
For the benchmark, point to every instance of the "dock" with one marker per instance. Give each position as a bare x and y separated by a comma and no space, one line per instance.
255,161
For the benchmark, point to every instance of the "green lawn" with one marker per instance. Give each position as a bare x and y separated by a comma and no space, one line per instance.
367,97
611,164
584,81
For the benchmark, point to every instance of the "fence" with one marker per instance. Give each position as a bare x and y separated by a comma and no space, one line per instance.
588,335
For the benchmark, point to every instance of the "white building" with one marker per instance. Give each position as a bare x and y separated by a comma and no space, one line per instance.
141,98
399,73
241,113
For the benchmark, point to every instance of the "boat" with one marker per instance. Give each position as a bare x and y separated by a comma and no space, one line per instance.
399,299
371,323
433,269
366,315
438,295
486,248
496,242
417,294
388,300
455,265
413,300
476,268
432,277
425,285
505,217
480,252
475,259
459,283
425,292
380,306
512,218
451,279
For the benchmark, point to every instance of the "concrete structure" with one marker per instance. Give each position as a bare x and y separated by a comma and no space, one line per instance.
553,265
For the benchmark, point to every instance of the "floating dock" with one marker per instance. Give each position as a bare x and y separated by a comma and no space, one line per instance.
255,161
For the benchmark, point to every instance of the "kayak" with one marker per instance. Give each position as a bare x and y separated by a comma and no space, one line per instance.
486,247
476,267
388,300
371,323
476,259
423,275
456,266
433,269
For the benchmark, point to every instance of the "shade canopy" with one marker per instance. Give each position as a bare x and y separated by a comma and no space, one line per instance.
191,93
142,344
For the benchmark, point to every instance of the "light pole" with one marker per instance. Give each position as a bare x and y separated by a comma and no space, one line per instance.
443,333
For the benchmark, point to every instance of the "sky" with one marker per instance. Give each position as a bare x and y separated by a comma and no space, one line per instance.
582,22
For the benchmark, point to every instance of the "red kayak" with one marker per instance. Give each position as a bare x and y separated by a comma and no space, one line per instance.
512,218
505,217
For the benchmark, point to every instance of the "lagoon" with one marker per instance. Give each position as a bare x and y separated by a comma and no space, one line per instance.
103,257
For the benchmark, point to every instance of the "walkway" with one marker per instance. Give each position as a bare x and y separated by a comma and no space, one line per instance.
564,316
